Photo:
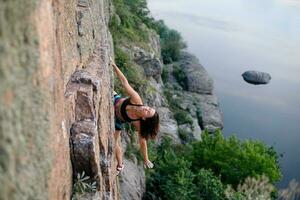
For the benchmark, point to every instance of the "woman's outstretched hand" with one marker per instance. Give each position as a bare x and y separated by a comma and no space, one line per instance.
148,164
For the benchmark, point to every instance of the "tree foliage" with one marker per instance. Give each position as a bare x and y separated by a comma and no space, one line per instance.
180,75
171,41
204,169
208,186
127,22
235,160
172,178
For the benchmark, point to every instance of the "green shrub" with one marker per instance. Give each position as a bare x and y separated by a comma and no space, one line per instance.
122,59
180,76
172,178
126,24
235,160
180,171
172,101
171,45
209,186
184,135
138,8
170,39
182,117
164,75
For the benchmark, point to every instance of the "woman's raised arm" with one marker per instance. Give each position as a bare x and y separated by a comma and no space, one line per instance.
135,97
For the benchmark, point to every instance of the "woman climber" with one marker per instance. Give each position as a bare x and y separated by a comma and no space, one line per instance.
144,118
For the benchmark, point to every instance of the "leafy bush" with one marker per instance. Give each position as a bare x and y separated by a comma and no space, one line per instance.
164,75
184,135
127,22
208,166
172,178
171,42
182,117
208,186
171,46
235,160
139,8
180,76
122,59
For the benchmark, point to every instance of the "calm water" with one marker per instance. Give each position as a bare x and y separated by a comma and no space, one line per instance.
232,36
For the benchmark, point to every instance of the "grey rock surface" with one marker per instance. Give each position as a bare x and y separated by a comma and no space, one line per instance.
84,149
212,117
256,77
198,80
132,181
149,61
168,125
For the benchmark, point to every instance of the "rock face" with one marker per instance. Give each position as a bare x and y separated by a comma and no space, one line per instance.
198,101
211,115
200,87
132,181
168,125
150,63
256,77
55,86
198,80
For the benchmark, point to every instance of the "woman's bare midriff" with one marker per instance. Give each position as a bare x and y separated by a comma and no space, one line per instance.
118,108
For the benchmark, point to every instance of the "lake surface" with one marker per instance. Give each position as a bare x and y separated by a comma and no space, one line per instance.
232,36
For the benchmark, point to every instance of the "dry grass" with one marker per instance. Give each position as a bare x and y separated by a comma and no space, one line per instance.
292,192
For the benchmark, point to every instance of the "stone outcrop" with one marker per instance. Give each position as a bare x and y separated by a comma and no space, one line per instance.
204,109
200,91
150,63
168,125
197,99
55,86
132,181
198,80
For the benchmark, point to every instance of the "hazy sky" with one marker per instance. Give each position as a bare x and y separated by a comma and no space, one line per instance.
264,33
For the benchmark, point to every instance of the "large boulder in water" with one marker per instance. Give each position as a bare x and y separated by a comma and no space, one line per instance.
256,77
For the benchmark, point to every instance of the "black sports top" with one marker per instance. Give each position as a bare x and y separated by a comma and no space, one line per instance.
123,110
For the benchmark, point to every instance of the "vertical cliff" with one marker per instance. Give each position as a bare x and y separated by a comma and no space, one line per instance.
55,97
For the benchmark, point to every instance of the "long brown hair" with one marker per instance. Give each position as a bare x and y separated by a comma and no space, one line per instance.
150,126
